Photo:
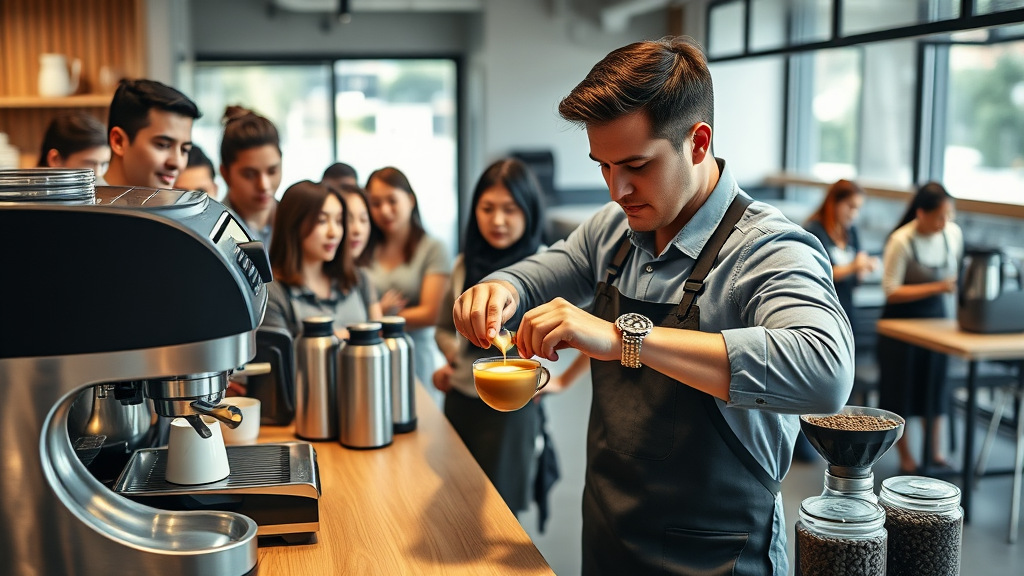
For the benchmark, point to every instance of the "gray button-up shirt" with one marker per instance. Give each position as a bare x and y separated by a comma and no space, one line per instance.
770,295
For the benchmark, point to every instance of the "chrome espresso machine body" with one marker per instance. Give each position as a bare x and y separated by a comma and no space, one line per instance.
158,291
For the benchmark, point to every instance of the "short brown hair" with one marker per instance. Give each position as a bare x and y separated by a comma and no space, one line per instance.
244,130
296,216
396,179
668,79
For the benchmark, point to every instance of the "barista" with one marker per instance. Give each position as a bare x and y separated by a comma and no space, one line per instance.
150,134
715,320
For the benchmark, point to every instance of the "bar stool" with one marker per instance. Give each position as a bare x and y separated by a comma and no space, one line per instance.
1005,395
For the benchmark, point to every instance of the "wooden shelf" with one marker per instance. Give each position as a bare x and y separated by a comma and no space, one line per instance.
77,101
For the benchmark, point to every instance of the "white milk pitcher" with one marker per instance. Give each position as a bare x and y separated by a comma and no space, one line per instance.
54,79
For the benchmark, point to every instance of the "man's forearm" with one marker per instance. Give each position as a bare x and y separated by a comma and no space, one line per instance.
698,359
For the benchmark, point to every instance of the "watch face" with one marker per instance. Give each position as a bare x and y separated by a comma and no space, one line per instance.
634,324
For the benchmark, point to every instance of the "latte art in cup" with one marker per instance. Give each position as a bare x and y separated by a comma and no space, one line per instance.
508,384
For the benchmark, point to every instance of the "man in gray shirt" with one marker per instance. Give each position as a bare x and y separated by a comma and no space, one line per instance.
715,321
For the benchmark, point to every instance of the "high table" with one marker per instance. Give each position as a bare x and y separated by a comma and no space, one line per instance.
419,506
946,337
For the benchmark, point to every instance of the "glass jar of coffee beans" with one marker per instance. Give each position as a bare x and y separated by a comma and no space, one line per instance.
925,524
839,536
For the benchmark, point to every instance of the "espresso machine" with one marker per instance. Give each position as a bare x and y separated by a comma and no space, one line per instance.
153,294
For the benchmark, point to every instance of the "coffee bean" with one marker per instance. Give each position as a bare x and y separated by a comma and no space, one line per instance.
922,543
859,422
835,556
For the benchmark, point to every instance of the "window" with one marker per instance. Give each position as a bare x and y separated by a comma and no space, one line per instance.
984,135
367,113
871,15
296,98
402,113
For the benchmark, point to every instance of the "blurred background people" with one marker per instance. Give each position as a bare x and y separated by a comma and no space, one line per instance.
834,225
149,133
920,264
408,267
340,173
250,163
314,273
357,223
198,174
75,141
504,227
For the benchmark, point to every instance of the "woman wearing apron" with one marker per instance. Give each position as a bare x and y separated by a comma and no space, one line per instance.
920,264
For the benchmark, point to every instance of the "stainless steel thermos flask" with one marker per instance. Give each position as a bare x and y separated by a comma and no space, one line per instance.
316,356
364,388
403,374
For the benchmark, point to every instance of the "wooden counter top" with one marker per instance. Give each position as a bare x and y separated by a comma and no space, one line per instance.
419,506
945,336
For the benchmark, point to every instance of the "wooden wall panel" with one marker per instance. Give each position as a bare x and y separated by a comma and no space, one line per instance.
102,33
99,32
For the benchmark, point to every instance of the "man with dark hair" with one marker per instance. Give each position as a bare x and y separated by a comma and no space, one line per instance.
339,173
691,434
150,134
198,174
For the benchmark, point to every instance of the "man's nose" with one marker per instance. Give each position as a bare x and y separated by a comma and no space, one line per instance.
619,185
264,182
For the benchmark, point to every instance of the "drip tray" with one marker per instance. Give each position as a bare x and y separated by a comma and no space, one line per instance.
277,485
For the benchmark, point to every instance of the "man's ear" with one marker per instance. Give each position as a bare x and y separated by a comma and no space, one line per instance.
53,158
119,140
701,140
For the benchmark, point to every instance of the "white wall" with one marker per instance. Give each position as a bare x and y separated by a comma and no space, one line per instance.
533,53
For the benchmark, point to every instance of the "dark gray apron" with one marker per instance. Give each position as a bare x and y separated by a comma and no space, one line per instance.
907,375
670,489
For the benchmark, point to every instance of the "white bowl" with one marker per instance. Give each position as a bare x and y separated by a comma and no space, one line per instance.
192,459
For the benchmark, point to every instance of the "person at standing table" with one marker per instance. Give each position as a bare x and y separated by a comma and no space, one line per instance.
314,274
338,174
198,174
408,267
357,221
919,276
250,163
150,134
75,141
715,322
505,225
833,224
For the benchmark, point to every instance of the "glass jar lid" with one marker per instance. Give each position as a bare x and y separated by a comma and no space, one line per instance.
920,493
73,185
842,515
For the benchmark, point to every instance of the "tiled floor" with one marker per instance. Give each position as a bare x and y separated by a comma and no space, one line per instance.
985,551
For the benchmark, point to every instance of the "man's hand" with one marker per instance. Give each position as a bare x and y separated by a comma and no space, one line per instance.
443,378
480,312
558,324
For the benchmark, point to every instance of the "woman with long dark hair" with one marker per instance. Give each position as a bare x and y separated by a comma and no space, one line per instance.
408,266
314,274
504,227
920,264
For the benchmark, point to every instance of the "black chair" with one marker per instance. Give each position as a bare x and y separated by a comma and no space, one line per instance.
276,390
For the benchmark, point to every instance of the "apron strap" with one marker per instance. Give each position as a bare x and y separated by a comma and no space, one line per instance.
706,260
615,266
738,449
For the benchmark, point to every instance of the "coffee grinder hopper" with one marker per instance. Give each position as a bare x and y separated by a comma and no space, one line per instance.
851,453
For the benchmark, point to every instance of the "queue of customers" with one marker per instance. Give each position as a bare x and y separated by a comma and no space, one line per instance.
337,249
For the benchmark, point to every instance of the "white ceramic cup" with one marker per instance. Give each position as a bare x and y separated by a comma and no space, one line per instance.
192,459
249,430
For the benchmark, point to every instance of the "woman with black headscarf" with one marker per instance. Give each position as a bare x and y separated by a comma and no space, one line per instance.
504,227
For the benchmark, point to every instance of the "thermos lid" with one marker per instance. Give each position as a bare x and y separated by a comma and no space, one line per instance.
364,333
317,326
394,326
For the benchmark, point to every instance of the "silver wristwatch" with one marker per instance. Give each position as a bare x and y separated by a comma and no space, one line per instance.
634,327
